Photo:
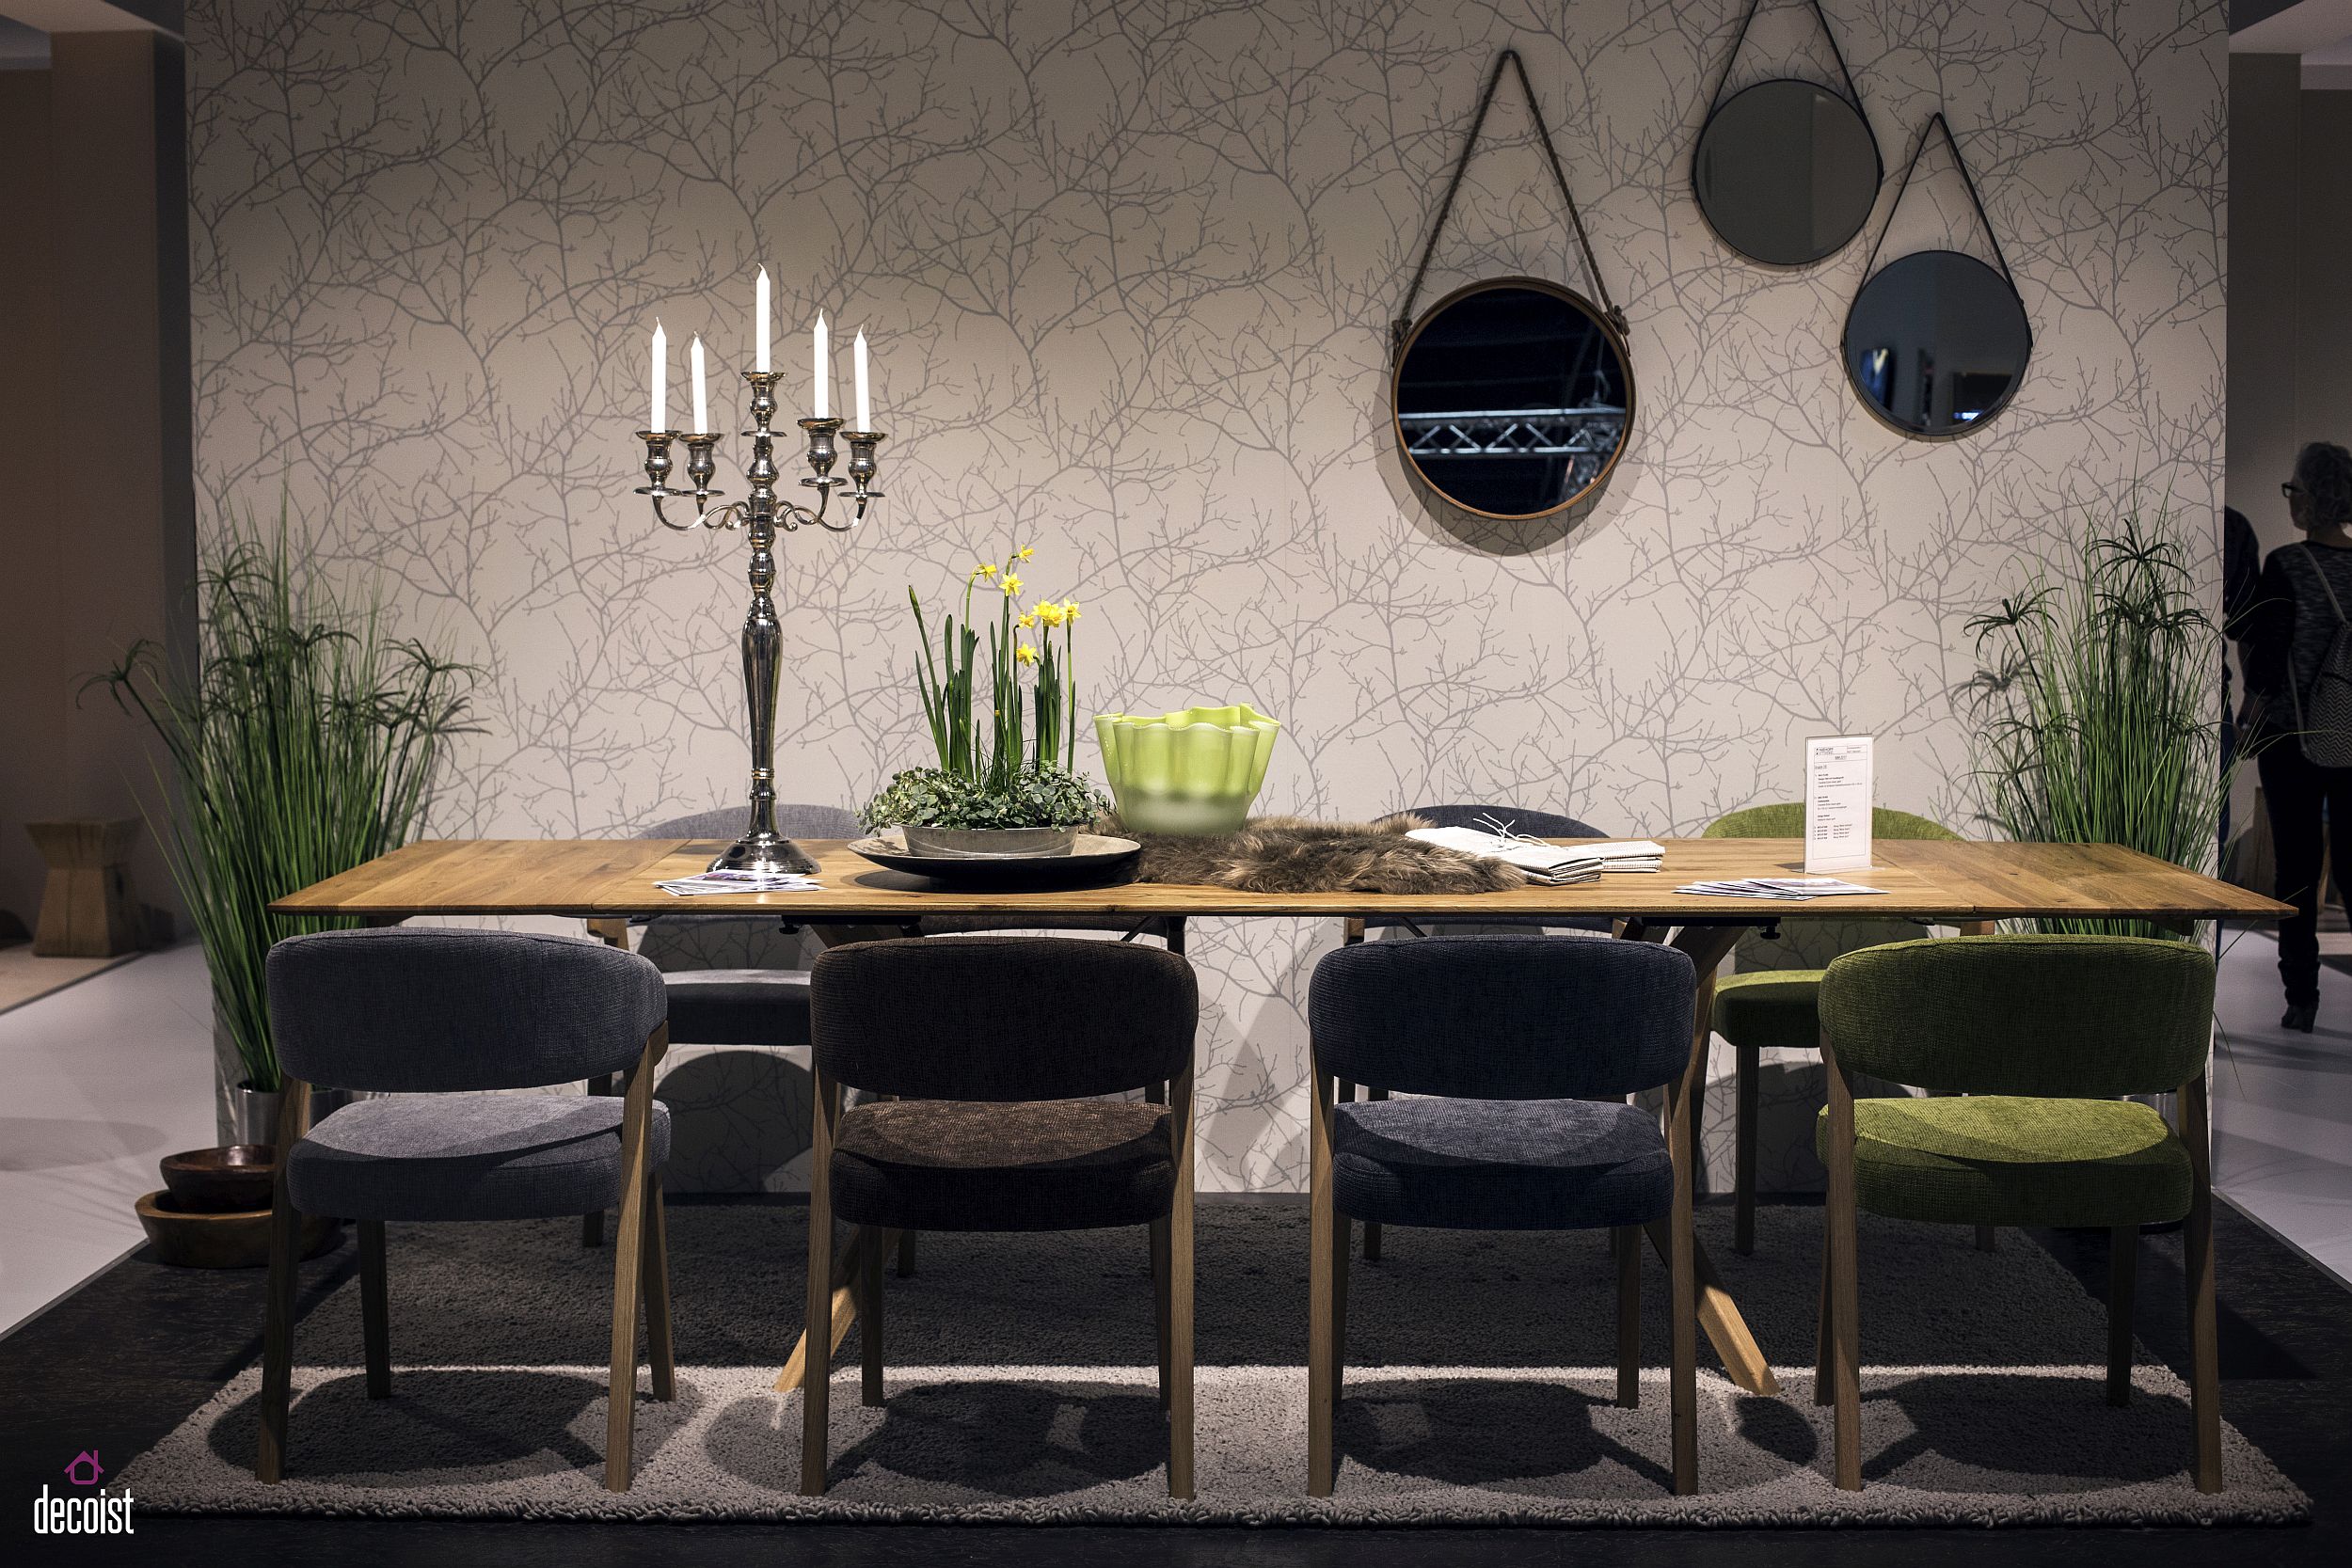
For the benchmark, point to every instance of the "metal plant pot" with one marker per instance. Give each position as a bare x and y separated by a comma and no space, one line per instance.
252,1114
989,843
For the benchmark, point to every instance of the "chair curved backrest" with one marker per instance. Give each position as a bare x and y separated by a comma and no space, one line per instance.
1811,944
1504,1017
419,1010
2070,1016
1002,1018
1534,824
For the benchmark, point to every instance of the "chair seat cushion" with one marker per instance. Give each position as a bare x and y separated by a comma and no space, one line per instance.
738,1006
1771,1009
1500,1165
466,1157
1050,1165
2006,1159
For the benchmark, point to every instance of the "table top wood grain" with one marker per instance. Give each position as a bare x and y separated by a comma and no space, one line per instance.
1924,879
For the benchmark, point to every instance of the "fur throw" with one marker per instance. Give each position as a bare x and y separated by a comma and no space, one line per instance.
1290,854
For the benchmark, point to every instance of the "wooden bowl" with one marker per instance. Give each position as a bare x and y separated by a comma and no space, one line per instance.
233,1181
238,1241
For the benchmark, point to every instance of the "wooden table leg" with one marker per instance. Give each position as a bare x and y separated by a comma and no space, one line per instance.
1719,1315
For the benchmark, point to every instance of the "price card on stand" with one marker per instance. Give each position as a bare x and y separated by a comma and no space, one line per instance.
1838,799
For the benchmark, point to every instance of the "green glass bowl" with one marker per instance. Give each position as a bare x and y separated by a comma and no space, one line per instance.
1197,771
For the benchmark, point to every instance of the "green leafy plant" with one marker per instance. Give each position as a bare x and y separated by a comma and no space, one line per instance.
1020,770
2098,704
1036,797
304,743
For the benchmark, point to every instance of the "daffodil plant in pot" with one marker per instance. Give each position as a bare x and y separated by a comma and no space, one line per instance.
1009,784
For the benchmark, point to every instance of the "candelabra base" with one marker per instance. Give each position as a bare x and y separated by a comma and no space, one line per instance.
772,852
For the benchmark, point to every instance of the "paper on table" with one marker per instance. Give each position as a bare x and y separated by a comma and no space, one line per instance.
1551,863
709,882
1792,888
1837,802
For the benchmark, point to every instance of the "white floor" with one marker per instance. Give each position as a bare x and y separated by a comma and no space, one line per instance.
107,1076
101,1080
2283,1106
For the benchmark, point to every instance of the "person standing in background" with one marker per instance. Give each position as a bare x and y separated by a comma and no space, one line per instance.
2297,608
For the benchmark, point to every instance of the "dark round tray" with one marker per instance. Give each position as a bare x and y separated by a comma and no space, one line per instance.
1094,861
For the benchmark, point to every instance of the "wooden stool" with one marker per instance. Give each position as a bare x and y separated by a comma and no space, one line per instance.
86,908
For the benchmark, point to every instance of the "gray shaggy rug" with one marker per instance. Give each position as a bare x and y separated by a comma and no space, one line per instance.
1021,1390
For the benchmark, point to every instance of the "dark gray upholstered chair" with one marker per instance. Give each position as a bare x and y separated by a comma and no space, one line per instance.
1534,824
987,1049
1528,1045
433,1016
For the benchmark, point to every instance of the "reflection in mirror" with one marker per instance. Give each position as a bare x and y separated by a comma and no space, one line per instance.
1513,399
1786,172
1937,342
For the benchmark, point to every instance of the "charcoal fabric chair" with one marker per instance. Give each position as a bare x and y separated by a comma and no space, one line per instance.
433,1016
987,1049
1770,1003
1528,1045
2039,1034
1534,824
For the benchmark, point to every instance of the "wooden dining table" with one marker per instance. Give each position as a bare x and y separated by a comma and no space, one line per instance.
608,883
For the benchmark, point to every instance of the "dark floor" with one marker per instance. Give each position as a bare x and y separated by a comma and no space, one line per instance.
120,1362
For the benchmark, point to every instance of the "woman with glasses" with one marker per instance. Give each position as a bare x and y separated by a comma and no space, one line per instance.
2287,640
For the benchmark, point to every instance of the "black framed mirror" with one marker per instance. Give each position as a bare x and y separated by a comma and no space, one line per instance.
1786,172
1937,343
1513,399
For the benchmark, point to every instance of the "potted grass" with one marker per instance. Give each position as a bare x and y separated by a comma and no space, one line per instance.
1011,786
2097,704
304,742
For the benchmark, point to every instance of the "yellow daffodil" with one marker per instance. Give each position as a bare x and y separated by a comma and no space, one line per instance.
1013,585
1028,621
1025,654
1050,614
984,570
1070,608
1025,552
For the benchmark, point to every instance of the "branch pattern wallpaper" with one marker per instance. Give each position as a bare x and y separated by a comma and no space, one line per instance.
1129,270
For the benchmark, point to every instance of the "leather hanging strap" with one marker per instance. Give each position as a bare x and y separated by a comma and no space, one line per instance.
1853,93
1939,122
1404,322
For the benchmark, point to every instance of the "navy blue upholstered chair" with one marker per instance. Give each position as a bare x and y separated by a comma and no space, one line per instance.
434,1017
1534,824
1527,1047
986,1049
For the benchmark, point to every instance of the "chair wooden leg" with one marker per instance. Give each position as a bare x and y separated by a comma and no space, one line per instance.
629,1267
592,1224
1159,1298
1626,1242
376,1324
1182,1124
1845,1328
1749,1070
285,1232
2197,1255
2123,1272
906,1255
817,1329
1322,1232
1821,1324
871,1250
654,1271
1372,1228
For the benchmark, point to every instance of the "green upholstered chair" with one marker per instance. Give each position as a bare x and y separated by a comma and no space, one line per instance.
2039,1036
1768,1002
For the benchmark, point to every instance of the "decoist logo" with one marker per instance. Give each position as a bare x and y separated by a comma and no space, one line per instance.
92,1513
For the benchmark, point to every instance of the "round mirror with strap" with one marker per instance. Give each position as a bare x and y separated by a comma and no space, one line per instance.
1787,170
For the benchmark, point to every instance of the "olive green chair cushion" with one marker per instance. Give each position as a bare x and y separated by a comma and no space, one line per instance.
1785,820
1770,1009
2001,1160
2075,1017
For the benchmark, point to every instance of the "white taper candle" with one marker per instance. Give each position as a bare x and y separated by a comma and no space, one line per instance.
824,369
760,323
702,398
660,419
864,401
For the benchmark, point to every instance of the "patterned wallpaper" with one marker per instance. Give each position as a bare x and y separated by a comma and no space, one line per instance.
1128,269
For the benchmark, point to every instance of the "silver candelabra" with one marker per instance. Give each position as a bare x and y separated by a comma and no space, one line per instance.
762,847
